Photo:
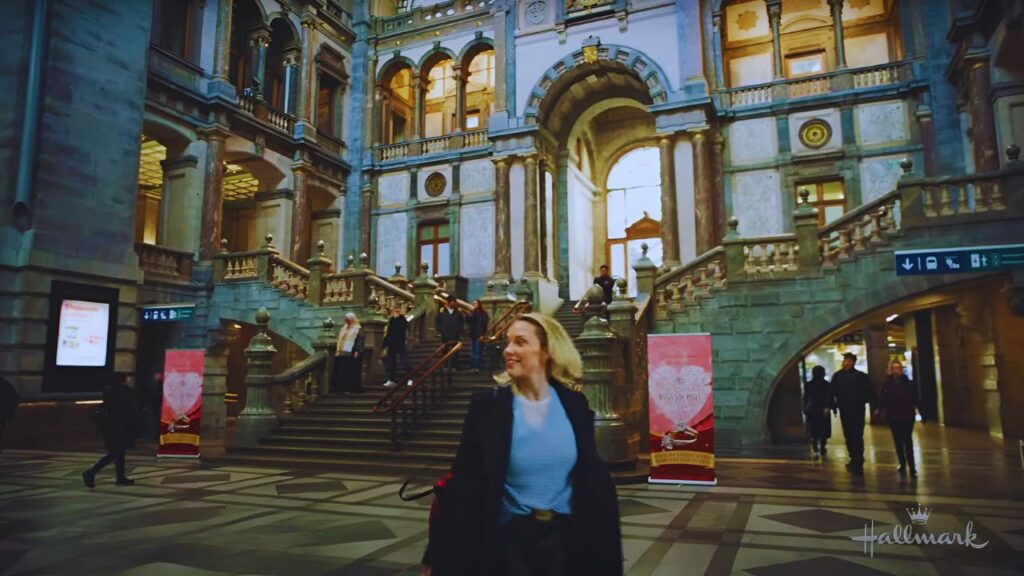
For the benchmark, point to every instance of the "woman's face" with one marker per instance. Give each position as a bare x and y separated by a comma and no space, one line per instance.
897,369
348,321
524,355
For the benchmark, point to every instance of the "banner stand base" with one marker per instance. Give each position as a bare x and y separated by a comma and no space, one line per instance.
682,482
182,456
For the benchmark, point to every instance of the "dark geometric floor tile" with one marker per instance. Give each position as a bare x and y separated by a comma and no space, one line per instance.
1017,532
820,520
630,507
365,570
9,558
362,532
163,517
829,565
196,478
311,486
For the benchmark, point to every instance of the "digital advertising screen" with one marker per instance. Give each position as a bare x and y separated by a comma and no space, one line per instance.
82,331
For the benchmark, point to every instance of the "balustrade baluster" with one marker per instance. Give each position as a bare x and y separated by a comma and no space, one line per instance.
876,228
794,251
996,199
945,201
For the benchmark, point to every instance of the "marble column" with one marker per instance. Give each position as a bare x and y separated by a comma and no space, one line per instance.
461,78
364,220
222,54
837,26
531,221
716,35
213,205
180,206
305,104
502,221
924,121
774,19
291,73
419,92
703,191
501,41
669,212
542,186
982,115
259,41
300,214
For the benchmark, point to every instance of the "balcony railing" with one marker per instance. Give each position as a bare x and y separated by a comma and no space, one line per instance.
426,15
167,264
856,79
434,145
259,109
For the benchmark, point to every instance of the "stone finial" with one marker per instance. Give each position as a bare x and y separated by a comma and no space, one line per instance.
1013,153
270,239
644,248
906,165
373,301
805,195
351,260
734,223
621,289
425,268
223,244
364,259
320,247
328,325
262,318
398,268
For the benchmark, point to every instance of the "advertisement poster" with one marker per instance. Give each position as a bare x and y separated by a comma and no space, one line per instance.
183,400
681,408
82,333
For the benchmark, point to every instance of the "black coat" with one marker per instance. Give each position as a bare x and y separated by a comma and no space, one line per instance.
463,535
606,283
394,339
119,420
818,398
478,321
449,324
899,399
851,390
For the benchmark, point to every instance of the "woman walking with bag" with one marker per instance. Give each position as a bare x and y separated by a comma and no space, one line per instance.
348,359
528,494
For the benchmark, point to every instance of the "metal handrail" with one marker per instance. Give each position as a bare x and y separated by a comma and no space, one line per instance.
413,401
496,331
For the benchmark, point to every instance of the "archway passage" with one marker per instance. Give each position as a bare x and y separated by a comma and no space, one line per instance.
634,212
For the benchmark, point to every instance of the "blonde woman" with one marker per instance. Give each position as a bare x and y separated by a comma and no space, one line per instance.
348,359
529,494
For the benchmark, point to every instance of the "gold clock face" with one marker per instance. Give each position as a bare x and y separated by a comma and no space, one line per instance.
435,184
815,133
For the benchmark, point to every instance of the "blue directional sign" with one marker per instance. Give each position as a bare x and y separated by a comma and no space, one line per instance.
168,312
962,260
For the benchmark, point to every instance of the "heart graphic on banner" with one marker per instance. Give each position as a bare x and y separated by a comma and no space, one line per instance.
182,390
678,395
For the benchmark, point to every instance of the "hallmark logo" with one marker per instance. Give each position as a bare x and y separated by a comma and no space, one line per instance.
903,534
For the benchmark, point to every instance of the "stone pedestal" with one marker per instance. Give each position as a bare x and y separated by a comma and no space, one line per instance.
257,419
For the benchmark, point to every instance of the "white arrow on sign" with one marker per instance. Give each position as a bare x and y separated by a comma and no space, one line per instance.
908,264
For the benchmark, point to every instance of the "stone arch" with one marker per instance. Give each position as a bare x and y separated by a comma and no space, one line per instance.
433,56
606,168
564,73
284,17
394,64
172,135
470,50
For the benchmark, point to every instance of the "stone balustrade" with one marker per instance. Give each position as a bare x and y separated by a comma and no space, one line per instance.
862,229
808,87
259,109
289,277
393,152
827,83
876,76
167,264
750,96
338,289
433,145
385,296
682,286
770,255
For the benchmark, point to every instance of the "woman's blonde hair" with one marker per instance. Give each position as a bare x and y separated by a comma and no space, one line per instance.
351,316
564,363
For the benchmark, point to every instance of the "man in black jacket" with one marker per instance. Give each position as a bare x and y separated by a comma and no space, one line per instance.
394,341
449,324
8,405
118,420
851,390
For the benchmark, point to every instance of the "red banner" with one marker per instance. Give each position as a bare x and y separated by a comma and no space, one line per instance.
182,406
681,408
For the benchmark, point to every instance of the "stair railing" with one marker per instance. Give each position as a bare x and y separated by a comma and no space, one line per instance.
496,331
409,404
300,383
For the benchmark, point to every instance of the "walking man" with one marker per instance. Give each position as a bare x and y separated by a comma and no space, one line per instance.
851,390
449,325
394,341
118,418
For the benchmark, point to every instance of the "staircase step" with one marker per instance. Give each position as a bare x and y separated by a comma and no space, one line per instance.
426,470
319,429
380,441
360,454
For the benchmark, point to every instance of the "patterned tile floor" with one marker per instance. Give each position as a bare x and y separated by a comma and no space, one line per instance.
766,518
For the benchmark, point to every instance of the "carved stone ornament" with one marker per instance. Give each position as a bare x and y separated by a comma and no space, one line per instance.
815,133
435,184
536,12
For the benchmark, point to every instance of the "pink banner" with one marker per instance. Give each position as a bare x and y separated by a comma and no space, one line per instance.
681,408
182,406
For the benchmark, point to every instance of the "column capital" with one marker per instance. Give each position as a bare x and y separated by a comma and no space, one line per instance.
666,140
214,133
501,160
775,10
308,21
530,158
260,34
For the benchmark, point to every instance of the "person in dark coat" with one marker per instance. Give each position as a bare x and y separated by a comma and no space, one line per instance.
817,404
478,321
450,323
8,405
394,343
118,422
348,356
606,282
528,493
851,390
900,403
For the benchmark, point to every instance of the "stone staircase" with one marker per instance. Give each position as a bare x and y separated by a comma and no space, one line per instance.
572,322
341,432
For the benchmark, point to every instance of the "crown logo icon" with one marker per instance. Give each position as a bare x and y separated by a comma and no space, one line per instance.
919,515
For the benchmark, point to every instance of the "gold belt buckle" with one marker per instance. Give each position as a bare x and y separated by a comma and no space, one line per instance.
544,515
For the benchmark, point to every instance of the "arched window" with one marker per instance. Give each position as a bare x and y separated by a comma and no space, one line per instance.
282,60
397,107
439,101
634,211
480,90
